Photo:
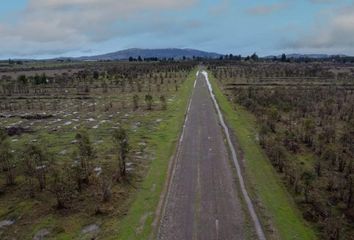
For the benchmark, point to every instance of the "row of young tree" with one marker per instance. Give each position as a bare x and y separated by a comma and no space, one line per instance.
36,170
308,135
138,101
282,71
103,77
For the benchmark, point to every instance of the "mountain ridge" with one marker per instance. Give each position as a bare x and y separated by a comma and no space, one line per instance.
176,53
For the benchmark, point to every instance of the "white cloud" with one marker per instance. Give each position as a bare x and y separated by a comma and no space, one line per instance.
68,24
332,29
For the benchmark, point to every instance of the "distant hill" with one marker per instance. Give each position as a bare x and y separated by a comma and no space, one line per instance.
175,53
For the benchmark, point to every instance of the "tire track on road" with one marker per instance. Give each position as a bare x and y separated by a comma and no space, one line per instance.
250,207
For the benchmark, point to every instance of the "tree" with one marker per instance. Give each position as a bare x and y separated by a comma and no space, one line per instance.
283,57
163,102
350,187
96,75
61,187
22,79
106,188
318,167
148,101
120,138
308,177
36,166
85,154
309,131
135,102
273,117
254,57
6,158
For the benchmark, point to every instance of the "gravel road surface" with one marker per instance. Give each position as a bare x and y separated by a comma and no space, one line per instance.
202,202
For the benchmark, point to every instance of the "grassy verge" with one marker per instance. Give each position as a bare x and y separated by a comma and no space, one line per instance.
138,222
277,205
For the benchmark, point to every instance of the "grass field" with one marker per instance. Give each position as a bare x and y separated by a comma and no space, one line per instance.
279,215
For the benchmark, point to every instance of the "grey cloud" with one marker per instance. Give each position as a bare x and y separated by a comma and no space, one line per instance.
220,8
323,1
268,9
63,24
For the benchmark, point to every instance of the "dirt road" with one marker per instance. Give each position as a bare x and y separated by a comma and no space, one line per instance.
202,201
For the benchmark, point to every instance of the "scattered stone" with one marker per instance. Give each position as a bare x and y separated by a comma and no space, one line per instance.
41,234
40,167
89,229
68,123
63,152
57,120
98,171
257,137
6,223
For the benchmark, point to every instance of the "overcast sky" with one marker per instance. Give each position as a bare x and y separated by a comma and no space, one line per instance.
50,28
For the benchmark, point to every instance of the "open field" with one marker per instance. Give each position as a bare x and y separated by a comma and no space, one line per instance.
56,184
301,115
85,150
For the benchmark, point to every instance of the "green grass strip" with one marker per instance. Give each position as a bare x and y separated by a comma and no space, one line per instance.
138,222
263,182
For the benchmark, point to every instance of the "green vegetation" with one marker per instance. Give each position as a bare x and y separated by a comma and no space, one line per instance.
138,223
275,204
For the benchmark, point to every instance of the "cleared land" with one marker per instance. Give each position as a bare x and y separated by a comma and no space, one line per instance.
47,111
294,123
277,210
